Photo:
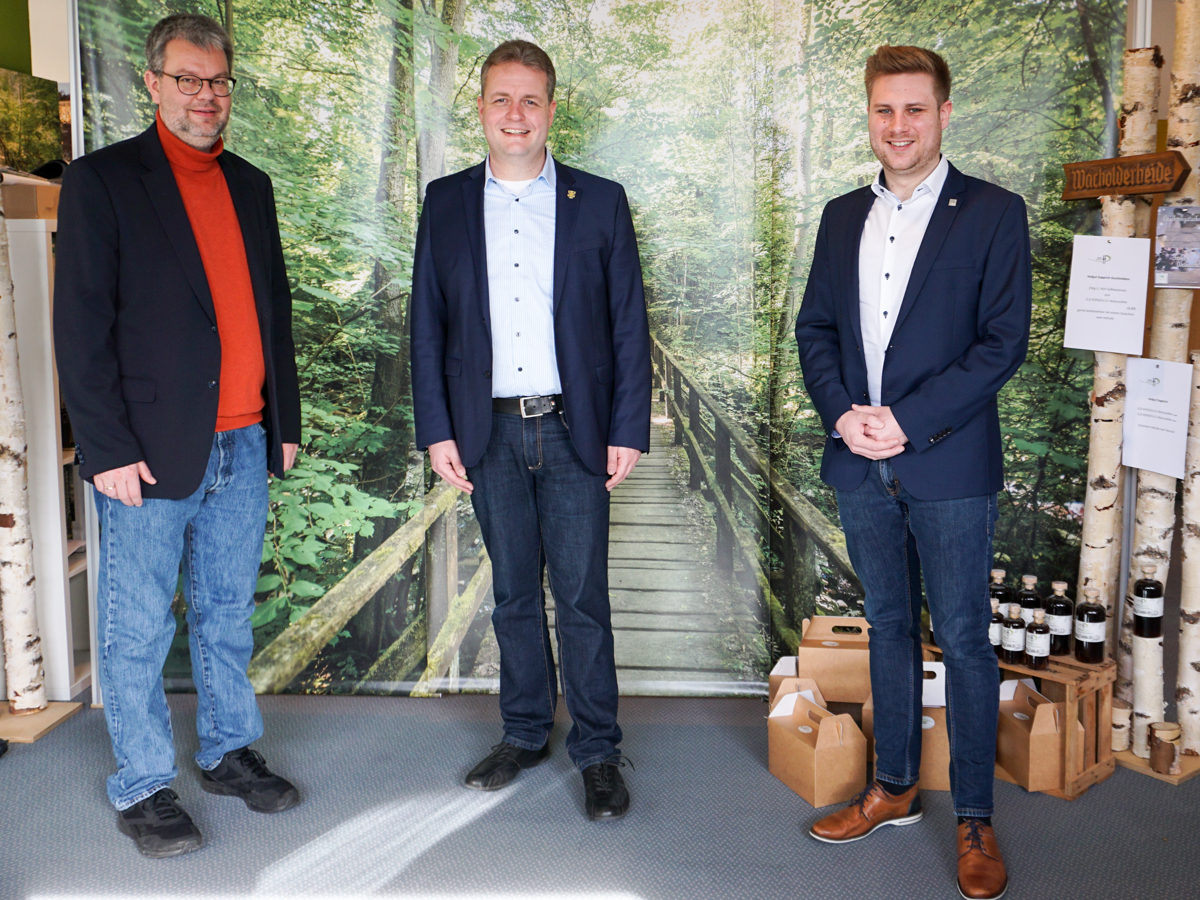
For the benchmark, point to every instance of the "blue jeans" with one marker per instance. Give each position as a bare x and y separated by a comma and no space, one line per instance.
539,507
217,532
889,534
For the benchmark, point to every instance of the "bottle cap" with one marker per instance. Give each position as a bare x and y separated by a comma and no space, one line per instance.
998,574
1091,593
1014,610
1029,580
1060,587
1038,615
1149,569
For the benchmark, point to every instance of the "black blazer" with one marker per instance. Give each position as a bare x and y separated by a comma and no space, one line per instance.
961,333
601,335
135,331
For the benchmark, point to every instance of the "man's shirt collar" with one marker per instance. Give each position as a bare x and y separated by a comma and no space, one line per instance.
931,185
547,174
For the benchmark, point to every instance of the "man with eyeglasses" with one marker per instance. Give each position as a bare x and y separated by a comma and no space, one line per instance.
172,327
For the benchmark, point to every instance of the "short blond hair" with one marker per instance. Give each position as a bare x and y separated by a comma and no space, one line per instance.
889,60
527,54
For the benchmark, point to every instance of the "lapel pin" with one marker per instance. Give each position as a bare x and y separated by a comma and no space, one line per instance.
570,195
954,201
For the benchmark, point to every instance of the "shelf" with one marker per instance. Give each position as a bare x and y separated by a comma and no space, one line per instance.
68,456
73,545
1189,764
76,563
28,728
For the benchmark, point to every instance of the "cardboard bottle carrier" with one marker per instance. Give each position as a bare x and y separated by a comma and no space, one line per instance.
833,651
819,755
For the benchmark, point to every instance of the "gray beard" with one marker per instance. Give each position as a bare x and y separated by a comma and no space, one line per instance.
200,138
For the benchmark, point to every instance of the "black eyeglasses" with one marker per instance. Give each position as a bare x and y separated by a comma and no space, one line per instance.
191,85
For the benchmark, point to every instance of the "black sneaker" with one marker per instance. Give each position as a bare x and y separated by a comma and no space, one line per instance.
242,773
605,794
159,826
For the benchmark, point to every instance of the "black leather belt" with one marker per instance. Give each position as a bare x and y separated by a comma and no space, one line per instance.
527,407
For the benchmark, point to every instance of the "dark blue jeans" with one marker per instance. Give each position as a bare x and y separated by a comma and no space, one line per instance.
540,508
889,533
217,532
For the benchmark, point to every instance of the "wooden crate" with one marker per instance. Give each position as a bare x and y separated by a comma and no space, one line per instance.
1086,692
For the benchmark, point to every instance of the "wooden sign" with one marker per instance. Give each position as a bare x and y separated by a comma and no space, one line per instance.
1150,173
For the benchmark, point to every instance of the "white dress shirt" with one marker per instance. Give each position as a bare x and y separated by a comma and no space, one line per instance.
518,229
886,253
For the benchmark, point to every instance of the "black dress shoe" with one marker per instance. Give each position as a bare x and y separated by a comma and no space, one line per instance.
159,826
244,774
502,765
606,796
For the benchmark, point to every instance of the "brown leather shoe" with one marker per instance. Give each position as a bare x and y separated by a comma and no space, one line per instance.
981,873
871,809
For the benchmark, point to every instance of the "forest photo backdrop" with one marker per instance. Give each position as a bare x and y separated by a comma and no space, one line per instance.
730,125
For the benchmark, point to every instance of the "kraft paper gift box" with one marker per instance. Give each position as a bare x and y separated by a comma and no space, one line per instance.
30,201
833,652
1030,737
819,755
935,738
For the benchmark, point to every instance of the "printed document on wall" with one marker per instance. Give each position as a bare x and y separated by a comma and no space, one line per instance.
1157,399
1106,300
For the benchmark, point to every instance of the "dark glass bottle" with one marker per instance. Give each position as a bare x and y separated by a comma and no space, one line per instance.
1012,637
1000,591
1091,628
996,626
1148,604
1029,598
1037,642
1060,616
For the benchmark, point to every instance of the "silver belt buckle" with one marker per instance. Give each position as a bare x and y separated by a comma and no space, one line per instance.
525,414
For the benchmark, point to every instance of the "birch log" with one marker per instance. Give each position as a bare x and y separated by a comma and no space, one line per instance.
1148,705
1100,556
18,610
1122,712
1187,686
1183,134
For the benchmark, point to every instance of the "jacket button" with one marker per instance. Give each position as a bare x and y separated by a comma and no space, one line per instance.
487,374
212,384
214,328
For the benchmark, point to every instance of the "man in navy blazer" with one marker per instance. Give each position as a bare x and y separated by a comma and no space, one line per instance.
915,315
531,390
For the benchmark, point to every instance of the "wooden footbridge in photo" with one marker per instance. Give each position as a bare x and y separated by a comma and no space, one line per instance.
714,561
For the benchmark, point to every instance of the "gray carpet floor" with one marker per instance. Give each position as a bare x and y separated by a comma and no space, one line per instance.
384,815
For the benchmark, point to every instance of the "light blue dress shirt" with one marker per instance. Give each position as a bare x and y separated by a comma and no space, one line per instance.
519,232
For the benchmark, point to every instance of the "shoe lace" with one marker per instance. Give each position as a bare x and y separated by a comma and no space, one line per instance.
604,772
505,750
860,799
253,762
974,835
163,805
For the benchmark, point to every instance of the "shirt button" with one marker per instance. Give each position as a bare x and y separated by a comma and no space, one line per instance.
887,274
519,369
891,239
516,265
516,299
901,206
516,231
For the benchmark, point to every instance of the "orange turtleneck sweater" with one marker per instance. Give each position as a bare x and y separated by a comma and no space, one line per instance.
219,237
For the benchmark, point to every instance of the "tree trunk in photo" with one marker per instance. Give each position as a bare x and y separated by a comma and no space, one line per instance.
1100,555
1148,705
1101,76
385,471
23,667
1183,134
1187,687
443,67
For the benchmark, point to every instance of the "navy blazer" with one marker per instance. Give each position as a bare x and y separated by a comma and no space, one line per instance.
135,330
601,335
961,333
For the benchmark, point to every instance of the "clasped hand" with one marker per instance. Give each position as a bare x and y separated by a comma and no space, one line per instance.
872,431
